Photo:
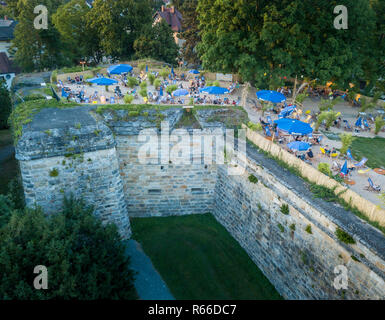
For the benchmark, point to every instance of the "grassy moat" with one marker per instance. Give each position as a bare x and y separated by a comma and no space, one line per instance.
199,259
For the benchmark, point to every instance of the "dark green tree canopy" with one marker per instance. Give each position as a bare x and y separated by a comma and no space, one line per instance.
157,42
190,32
287,38
85,260
5,105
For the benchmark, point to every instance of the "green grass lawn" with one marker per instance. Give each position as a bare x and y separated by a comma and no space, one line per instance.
373,149
199,259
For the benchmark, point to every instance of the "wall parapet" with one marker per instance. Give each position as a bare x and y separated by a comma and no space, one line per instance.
372,211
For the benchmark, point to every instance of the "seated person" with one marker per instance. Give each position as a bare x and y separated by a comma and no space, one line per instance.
263,123
327,150
309,154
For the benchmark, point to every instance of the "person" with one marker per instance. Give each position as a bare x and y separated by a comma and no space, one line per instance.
263,123
310,154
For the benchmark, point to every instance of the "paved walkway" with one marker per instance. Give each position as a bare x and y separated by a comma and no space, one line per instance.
148,283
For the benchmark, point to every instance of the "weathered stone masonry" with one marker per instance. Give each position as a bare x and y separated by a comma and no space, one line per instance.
97,159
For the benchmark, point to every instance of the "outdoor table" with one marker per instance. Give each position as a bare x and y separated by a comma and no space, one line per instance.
349,182
379,171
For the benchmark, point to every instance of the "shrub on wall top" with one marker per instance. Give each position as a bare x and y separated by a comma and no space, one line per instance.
344,236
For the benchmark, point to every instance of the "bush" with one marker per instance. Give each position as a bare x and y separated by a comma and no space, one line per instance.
85,260
151,78
143,85
6,208
54,172
255,126
164,73
325,169
143,93
54,77
344,236
308,229
142,66
128,98
133,114
300,98
216,83
157,83
170,89
347,140
379,123
132,82
5,105
253,178
285,208
324,193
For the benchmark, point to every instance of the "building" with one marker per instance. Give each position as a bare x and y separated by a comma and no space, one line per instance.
173,18
7,69
7,28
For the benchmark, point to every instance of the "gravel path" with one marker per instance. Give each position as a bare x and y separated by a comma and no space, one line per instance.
148,283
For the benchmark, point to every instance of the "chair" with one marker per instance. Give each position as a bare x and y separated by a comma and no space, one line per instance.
267,131
323,151
361,164
364,171
372,186
334,155
349,154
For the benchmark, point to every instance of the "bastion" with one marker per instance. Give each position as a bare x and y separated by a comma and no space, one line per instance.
102,154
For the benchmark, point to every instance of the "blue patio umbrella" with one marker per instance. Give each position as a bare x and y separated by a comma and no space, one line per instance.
293,126
180,93
272,96
359,122
214,90
161,91
102,81
119,69
146,68
299,145
194,71
344,169
287,111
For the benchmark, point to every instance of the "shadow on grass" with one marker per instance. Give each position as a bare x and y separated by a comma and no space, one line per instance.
198,259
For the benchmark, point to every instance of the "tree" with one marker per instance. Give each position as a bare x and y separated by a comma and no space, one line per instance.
119,23
379,123
5,105
230,36
267,40
347,140
37,49
80,38
157,42
85,260
190,31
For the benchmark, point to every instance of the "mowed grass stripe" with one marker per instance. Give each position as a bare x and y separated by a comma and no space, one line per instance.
371,148
198,259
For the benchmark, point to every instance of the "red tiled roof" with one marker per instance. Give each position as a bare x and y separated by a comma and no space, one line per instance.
6,65
172,16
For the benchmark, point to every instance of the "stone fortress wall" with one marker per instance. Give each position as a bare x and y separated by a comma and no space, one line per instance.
97,159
